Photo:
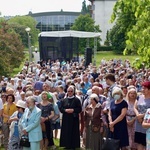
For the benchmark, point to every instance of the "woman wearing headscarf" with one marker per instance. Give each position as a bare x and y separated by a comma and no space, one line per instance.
93,123
15,130
70,109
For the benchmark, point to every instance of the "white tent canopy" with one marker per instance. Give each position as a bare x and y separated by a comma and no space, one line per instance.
69,33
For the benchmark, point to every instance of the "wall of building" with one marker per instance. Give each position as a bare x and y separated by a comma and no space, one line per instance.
102,10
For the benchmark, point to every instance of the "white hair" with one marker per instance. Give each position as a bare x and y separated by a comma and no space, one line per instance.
117,90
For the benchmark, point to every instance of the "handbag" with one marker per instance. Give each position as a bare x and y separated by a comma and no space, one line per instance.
110,144
95,128
24,141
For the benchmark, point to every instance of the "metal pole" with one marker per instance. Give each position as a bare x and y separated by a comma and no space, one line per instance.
29,45
95,50
87,43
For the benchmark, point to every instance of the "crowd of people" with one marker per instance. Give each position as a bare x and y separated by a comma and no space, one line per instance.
85,103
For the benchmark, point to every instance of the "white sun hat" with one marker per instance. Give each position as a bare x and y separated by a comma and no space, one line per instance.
21,103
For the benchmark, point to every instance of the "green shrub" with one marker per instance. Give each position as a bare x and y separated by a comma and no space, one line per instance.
105,48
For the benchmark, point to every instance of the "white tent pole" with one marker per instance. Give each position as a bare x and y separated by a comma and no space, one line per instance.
95,50
87,42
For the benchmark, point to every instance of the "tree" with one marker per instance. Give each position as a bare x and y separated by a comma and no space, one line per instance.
20,23
20,30
139,35
134,16
123,16
85,9
107,41
85,23
117,38
11,49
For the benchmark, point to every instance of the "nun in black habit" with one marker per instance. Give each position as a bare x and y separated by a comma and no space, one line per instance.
70,132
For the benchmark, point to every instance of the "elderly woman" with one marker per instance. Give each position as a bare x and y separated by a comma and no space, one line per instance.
31,126
93,123
117,118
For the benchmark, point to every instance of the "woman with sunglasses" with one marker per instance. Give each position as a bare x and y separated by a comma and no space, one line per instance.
14,135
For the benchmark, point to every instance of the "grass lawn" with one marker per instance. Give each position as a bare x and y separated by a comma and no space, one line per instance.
17,70
108,55
99,56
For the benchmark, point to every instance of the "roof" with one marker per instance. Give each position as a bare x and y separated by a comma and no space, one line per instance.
69,33
54,13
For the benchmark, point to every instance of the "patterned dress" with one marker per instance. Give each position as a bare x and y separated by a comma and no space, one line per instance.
147,118
131,115
14,140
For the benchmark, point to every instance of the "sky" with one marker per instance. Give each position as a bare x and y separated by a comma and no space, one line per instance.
22,7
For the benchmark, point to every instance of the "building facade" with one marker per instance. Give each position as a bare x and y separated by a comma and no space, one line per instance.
101,13
54,21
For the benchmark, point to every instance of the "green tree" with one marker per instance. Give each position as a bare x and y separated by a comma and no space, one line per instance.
85,9
20,23
107,41
11,49
124,18
139,35
86,23
134,17
117,38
